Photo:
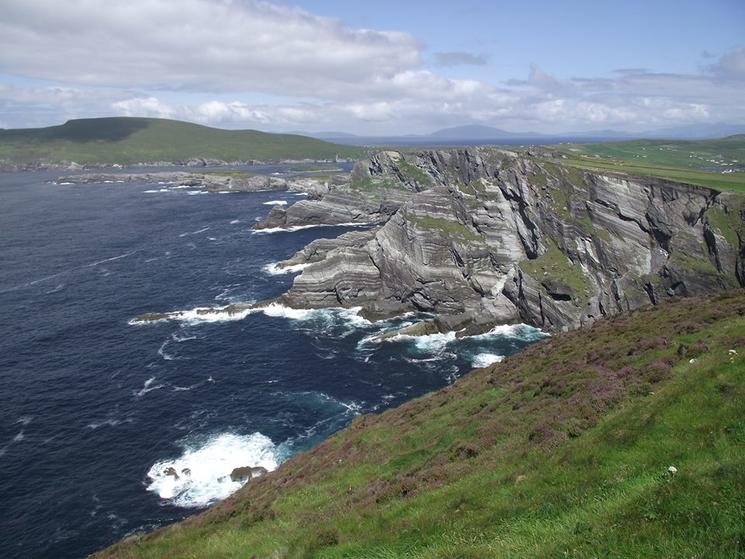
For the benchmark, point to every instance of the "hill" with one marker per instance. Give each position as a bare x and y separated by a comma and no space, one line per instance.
622,440
127,140
479,132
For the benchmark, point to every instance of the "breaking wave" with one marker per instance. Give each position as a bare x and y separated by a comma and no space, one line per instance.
299,227
273,268
202,472
486,359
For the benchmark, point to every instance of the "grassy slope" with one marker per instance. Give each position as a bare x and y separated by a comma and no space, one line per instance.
695,162
560,451
133,140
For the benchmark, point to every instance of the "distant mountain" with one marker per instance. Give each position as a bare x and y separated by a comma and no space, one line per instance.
480,132
128,140
476,134
697,131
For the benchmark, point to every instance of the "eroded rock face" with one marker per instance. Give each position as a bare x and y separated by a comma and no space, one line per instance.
483,236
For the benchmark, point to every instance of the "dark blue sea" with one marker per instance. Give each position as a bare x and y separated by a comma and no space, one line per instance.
94,407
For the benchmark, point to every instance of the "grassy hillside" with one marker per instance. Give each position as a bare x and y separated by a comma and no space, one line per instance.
134,140
701,162
563,450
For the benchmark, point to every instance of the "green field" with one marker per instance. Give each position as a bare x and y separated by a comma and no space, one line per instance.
127,140
700,162
564,450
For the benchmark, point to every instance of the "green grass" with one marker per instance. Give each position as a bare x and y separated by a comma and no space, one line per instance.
732,181
448,228
561,451
690,162
559,267
710,155
370,184
134,140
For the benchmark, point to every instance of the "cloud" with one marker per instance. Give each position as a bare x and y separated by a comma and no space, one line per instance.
731,65
459,58
200,45
202,60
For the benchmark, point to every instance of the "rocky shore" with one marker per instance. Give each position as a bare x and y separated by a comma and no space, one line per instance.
227,181
481,236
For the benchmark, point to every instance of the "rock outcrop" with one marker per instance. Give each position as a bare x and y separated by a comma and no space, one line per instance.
208,181
483,236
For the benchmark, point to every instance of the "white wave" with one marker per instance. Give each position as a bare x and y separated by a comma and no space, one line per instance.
65,183
148,387
108,423
275,203
350,315
59,287
204,469
162,352
300,193
197,232
428,343
518,331
213,314
486,359
273,268
181,187
235,221
239,311
155,191
185,338
299,227
195,192
125,255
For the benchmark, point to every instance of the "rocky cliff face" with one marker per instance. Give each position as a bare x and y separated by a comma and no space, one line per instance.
484,236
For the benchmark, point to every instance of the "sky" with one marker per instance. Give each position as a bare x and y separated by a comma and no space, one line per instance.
377,67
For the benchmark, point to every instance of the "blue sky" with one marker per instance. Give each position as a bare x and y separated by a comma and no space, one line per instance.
384,67
568,38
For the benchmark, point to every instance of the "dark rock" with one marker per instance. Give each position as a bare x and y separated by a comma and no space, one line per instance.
245,473
558,290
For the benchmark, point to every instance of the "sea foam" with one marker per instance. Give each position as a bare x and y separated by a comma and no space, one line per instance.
204,468
273,268
486,359
294,228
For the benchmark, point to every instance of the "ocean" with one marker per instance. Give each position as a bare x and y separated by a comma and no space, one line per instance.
94,407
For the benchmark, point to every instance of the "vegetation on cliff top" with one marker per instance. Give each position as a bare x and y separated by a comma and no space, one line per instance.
622,440
701,162
127,140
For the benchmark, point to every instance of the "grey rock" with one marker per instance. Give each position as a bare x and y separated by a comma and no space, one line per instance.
482,236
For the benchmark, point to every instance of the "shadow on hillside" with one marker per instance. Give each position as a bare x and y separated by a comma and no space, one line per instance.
91,130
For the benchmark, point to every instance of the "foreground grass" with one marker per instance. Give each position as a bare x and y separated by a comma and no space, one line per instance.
134,140
560,451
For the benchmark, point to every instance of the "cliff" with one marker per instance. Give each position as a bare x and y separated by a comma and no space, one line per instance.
484,236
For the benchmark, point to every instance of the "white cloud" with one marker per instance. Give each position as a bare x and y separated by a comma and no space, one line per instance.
154,57
205,45
143,106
